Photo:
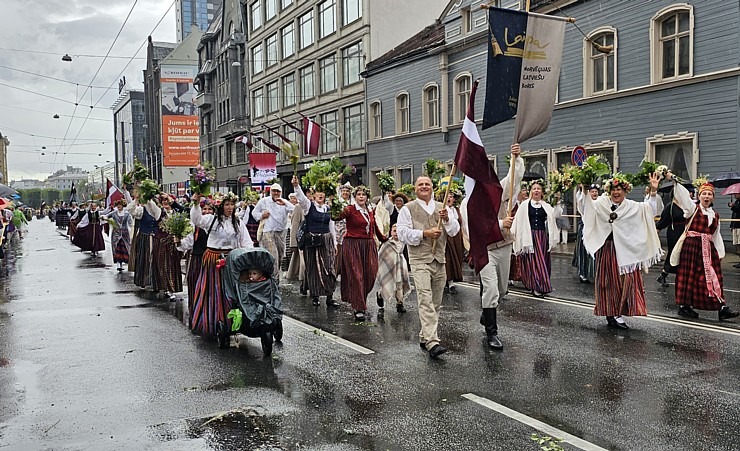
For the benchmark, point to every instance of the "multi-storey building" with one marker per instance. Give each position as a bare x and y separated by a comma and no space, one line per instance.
305,56
155,52
667,92
64,178
128,132
194,12
4,143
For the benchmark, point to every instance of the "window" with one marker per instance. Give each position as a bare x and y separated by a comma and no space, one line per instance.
285,3
229,154
601,68
327,18
353,120
241,153
272,97
328,68
679,152
288,39
402,113
537,163
256,13
305,24
431,107
351,11
462,96
272,50
269,9
257,62
672,43
406,176
307,82
467,19
257,103
352,59
376,126
329,142
288,90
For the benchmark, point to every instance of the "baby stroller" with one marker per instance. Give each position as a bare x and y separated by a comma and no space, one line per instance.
259,302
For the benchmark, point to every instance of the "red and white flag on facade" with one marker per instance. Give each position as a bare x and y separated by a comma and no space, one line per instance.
113,194
311,136
482,189
244,140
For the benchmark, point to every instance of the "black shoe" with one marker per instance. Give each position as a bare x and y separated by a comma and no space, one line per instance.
583,279
359,315
662,279
436,351
613,323
381,311
423,346
400,308
303,292
332,303
726,313
687,311
453,289
495,343
379,298
315,301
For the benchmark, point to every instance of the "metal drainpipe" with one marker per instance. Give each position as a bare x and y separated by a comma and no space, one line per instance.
444,95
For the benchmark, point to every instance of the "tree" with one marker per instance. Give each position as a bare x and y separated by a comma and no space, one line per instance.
53,195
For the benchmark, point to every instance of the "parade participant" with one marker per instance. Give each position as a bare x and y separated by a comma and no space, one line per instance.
735,225
297,266
515,266
399,200
143,243
166,274
225,233
698,254
559,211
671,219
274,211
417,228
493,276
535,233
392,280
359,252
382,216
620,234
120,238
74,219
319,250
62,216
195,244
89,234
345,196
20,222
582,260
454,249
252,224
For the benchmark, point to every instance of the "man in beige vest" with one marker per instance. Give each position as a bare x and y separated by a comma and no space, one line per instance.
417,228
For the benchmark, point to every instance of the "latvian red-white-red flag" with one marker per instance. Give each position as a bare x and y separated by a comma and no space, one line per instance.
311,136
482,189
244,140
113,194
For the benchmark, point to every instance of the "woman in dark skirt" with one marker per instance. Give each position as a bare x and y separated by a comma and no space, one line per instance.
535,232
195,245
454,248
120,239
319,256
359,252
581,258
674,223
147,215
166,275
75,215
89,234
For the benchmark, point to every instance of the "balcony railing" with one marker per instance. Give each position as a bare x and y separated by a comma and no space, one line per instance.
205,100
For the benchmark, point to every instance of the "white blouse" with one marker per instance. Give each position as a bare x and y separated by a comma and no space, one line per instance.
223,235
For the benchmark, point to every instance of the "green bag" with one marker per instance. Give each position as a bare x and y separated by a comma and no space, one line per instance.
235,316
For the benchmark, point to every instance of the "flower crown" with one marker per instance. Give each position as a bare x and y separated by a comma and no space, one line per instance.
362,188
219,198
540,182
617,181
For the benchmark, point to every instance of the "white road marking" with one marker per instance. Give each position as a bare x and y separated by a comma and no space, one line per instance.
657,319
536,424
329,336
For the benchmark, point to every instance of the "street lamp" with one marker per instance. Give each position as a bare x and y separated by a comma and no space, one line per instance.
67,58
56,116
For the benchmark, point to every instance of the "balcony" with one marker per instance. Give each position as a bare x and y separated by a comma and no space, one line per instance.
205,100
236,126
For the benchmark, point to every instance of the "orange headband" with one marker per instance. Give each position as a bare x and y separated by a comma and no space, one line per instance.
706,187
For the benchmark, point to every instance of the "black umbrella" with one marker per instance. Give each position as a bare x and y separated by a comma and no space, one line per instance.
6,191
529,176
726,179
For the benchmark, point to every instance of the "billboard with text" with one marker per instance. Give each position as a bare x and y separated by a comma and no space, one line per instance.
180,121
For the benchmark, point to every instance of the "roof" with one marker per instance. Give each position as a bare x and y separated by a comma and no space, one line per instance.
162,49
430,37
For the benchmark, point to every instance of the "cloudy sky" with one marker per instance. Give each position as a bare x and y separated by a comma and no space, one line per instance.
77,28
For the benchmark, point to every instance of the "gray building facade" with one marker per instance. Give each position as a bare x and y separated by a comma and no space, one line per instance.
128,132
156,51
194,12
668,92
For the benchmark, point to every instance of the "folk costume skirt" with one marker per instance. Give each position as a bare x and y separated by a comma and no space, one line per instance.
535,266
166,275
195,264
454,258
132,250
359,268
616,295
120,252
581,258
691,281
209,300
322,280
143,273
89,238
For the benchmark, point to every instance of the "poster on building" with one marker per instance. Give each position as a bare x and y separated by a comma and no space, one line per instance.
262,169
180,122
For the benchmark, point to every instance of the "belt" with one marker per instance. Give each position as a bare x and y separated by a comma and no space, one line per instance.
499,244
220,251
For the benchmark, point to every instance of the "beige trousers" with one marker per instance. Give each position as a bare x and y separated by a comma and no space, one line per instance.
494,277
429,280
274,243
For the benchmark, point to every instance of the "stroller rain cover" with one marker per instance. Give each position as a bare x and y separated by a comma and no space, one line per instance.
260,302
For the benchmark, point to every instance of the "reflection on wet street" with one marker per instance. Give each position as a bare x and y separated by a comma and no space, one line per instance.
89,361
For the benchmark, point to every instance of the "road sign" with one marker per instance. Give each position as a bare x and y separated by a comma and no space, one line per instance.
578,156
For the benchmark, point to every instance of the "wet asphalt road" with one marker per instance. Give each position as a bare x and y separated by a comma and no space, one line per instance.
89,361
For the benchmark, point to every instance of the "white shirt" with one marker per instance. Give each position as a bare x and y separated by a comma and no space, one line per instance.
413,237
223,235
278,214
306,205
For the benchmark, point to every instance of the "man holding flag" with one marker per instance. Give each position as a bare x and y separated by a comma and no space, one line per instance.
489,234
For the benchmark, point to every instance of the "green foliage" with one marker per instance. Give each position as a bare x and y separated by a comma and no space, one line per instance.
548,443
593,169
251,196
148,189
53,195
324,175
642,177
456,188
386,182
435,170
337,205
32,196
177,225
409,190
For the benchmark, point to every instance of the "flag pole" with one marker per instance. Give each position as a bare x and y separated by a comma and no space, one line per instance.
319,125
511,186
444,203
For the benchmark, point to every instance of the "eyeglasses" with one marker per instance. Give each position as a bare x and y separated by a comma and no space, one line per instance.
613,215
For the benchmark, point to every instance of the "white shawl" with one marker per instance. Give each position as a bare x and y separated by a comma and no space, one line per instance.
686,203
522,231
635,237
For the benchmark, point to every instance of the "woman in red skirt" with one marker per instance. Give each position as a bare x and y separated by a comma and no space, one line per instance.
620,233
359,253
697,255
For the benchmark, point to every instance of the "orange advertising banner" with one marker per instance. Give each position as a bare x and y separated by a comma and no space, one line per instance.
180,121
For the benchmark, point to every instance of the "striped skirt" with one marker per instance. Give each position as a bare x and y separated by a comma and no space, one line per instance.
320,275
143,273
535,267
581,258
359,268
166,275
195,263
132,251
209,303
616,294
120,252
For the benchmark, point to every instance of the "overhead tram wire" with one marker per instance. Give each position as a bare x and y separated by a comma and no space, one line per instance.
57,54
47,137
69,125
47,112
125,67
44,95
49,77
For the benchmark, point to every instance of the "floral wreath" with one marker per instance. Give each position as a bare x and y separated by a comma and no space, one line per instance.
540,182
219,198
618,180
362,188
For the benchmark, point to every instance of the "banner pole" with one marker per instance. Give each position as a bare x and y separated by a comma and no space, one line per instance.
444,203
511,186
